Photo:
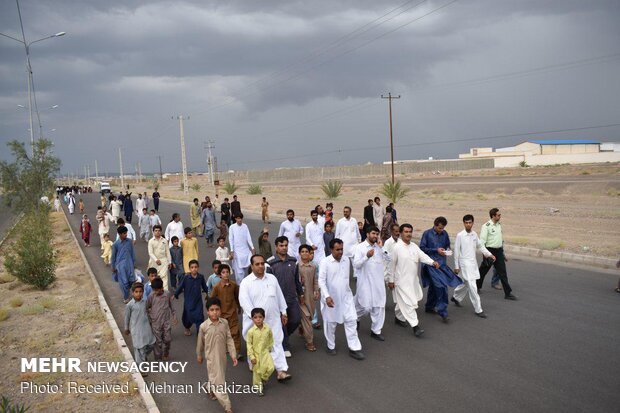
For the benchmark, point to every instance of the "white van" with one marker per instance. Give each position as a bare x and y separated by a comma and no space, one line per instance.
105,188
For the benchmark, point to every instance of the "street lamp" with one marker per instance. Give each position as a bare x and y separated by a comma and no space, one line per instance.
29,69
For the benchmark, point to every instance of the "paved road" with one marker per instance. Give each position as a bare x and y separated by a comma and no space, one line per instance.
553,350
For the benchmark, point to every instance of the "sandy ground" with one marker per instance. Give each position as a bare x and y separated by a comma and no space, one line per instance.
572,208
63,321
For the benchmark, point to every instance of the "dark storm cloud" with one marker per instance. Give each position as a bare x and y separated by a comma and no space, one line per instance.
244,70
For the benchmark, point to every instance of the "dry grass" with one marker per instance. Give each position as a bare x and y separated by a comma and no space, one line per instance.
48,302
4,314
6,278
16,302
32,309
550,244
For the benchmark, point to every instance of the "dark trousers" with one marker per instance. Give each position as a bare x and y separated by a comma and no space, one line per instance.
500,267
293,313
156,204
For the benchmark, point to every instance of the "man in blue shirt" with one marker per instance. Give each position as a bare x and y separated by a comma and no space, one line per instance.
435,243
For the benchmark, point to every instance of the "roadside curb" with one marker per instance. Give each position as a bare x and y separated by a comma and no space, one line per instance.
10,230
525,252
565,257
149,402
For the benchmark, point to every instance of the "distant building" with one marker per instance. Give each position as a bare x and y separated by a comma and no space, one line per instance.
549,152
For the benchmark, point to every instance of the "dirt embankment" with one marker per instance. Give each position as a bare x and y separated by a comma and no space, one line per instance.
62,321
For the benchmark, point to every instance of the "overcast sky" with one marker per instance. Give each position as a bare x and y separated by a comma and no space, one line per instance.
271,81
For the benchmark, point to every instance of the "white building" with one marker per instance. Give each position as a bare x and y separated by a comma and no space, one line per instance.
549,152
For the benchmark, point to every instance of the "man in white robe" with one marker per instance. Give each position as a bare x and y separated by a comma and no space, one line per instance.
314,237
140,204
261,290
115,205
348,231
159,255
388,247
104,218
404,280
241,248
466,266
71,204
378,212
292,229
175,228
337,303
131,233
370,296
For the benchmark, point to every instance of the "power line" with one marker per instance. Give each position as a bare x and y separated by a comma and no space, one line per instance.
429,142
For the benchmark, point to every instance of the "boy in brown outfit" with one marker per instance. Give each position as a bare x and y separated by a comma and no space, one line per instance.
310,284
228,294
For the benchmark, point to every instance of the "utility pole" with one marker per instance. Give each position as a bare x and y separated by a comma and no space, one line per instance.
85,175
96,170
389,97
139,172
120,162
210,165
161,174
136,171
181,118
88,173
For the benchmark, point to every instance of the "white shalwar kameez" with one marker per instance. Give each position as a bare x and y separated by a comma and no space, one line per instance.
388,247
265,293
465,248
290,229
71,204
174,229
334,283
241,246
140,204
116,209
158,250
314,238
348,231
404,274
370,295
378,212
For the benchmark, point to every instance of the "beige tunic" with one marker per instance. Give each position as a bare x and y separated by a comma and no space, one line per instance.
158,250
214,339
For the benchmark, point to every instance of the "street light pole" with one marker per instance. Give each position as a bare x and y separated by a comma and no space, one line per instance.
29,66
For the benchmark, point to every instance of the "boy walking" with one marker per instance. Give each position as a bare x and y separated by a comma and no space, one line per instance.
144,224
190,248
228,294
260,342
106,249
192,304
176,262
214,340
161,316
310,285
137,324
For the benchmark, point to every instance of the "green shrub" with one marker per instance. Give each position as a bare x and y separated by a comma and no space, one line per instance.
32,259
394,192
4,314
195,187
255,189
332,189
7,406
231,187
523,164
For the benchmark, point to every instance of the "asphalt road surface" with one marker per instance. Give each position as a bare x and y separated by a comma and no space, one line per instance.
556,349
